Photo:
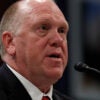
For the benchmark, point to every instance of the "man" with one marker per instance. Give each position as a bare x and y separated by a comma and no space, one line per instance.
34,49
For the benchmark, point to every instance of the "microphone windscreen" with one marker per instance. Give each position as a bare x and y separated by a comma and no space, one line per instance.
81,66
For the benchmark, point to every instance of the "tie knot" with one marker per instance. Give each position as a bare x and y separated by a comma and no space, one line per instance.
45,98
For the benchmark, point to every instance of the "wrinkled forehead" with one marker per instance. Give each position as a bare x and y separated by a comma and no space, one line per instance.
33,3
40,6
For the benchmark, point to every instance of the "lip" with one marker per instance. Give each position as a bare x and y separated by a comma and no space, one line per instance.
57,56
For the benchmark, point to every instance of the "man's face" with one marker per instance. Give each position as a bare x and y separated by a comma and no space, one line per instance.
41,46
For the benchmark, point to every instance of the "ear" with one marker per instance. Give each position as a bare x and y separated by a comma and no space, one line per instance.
8,42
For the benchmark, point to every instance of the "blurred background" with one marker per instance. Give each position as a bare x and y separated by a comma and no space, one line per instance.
83,44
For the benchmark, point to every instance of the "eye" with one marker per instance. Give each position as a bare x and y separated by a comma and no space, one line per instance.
62,30
44,27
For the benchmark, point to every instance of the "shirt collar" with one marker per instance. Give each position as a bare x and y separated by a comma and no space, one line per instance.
33,91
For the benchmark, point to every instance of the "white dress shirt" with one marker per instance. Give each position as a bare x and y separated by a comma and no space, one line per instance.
33,91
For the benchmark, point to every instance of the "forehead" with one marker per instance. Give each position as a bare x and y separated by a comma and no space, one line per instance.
45,7
43,11
39,6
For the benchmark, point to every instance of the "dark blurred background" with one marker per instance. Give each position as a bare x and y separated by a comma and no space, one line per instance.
83,45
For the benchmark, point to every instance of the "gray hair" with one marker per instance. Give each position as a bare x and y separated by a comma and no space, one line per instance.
11,22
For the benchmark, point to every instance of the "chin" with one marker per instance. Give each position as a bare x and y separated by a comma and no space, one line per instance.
55,75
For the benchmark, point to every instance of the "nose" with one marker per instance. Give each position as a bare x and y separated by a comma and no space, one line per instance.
56,40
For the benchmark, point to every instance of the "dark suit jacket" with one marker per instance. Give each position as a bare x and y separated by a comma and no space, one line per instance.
12,89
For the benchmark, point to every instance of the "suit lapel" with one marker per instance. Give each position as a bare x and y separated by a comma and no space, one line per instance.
12,86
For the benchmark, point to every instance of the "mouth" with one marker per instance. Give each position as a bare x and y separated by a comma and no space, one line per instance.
55,56
55,59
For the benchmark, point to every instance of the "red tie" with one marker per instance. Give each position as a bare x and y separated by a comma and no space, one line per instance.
45,98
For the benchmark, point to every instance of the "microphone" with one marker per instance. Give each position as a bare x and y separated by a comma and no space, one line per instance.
82,67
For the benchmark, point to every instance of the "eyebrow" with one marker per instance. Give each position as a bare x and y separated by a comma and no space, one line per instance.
49,19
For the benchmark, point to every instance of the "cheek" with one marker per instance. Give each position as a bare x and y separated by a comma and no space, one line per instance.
20,50
35,48
36,42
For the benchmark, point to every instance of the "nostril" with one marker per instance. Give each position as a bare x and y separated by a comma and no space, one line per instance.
55,44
